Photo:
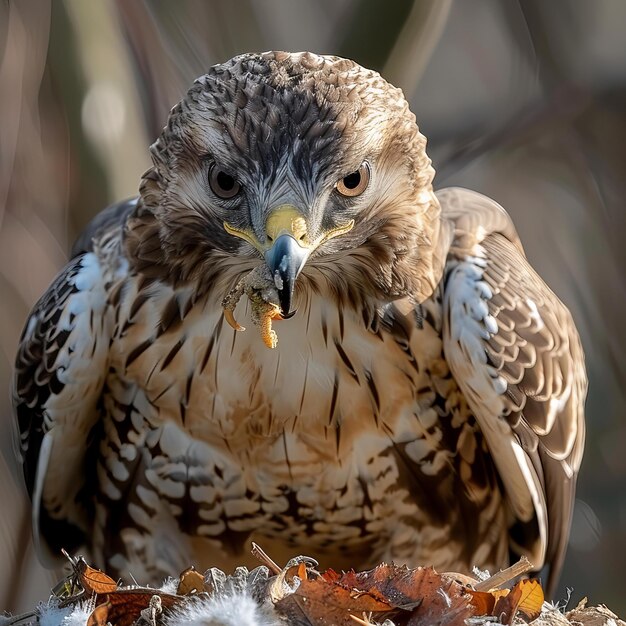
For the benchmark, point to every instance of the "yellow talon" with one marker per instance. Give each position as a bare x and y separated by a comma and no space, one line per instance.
262,315
269,336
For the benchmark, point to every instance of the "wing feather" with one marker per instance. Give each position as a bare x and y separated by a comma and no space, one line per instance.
520,363
59,373
104,222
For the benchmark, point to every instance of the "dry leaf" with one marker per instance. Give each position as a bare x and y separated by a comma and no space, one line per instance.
331,576
317,601
446,603
532,598
506,606
93,580
99,616
424,594
298,570
191,581
124,606
482,601
526,596
409,596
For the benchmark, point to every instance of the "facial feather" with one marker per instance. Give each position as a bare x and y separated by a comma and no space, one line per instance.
287,132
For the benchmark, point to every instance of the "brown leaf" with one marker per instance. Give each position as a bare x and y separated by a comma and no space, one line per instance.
445,602
427,596
419,595
506,606
399,586
123,607
482,601
99,616
331,576
526,596
317,601
191,581
93,580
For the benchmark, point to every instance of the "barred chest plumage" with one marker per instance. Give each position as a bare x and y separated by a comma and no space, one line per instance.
344,439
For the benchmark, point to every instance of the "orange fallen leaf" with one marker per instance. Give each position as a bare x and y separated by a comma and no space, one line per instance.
506,606
298,570
93,580
99,616
532,598
526,596
482,601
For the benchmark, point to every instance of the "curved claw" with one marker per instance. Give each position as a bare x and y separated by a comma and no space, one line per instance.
230,318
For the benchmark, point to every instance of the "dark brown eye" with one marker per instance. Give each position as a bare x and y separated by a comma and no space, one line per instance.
223,185
356,183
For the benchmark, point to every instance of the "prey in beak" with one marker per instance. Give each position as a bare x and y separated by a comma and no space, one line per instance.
286,248
285,260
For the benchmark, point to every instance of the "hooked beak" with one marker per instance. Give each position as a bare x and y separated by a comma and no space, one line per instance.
285,260
286,248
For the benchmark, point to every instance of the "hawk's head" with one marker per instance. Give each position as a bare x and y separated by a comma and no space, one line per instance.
311,164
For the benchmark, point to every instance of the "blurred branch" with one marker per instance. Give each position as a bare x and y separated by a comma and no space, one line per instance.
416,42
31,225
110,110
174,43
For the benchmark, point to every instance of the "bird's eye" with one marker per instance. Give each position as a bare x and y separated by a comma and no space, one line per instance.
356,183
223,185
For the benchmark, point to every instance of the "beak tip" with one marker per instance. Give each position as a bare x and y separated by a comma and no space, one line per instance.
285,260
284,298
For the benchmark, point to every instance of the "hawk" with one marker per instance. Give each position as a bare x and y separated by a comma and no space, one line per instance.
415,392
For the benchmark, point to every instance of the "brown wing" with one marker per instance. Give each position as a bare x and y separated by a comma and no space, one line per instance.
59,372
515,352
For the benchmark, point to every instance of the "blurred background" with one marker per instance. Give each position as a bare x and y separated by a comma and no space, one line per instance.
523,100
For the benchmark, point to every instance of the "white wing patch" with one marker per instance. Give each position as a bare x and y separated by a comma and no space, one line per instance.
60,370
534,314
467,325
42,468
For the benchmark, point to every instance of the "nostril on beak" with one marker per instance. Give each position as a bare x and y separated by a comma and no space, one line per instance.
270,238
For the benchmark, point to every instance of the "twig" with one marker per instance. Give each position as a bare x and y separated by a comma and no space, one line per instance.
504,576
265,559
17,619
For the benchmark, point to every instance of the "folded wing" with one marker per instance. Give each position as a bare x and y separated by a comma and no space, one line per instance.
514,351
60,370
